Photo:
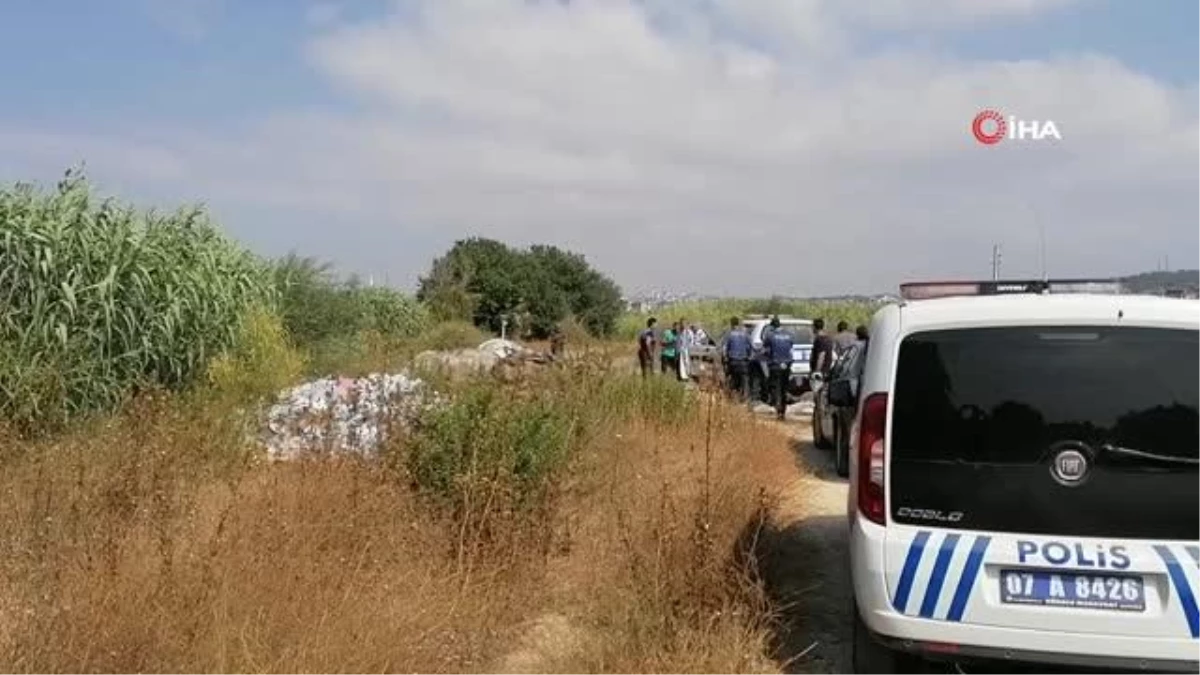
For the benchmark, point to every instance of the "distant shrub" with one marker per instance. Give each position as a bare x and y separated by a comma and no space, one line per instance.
451,335
390,312
490,284
318,308
261,362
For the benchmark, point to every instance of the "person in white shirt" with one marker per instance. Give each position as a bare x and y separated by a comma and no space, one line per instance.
686,339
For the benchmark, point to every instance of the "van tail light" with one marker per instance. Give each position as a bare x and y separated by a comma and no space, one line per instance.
870,481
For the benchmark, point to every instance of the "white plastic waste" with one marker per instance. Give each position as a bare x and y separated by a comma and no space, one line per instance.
343,415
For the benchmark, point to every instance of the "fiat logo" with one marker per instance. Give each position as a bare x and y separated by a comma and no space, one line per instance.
1069,467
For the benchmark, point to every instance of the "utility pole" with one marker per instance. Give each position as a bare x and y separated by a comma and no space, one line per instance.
995,262
1041,243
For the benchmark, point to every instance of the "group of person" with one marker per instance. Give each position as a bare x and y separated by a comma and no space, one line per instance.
737,353
669,354
673,348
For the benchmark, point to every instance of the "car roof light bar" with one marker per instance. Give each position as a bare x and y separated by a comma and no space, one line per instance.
927,290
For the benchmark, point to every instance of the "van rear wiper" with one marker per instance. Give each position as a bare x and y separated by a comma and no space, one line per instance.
1142,454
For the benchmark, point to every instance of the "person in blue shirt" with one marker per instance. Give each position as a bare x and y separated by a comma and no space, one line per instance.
736,355
778,346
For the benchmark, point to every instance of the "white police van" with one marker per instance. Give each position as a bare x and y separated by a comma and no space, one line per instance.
1024,480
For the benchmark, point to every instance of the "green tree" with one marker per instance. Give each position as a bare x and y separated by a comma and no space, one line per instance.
590,296
489,271
535,288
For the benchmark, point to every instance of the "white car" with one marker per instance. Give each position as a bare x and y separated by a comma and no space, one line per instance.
1024,480
834,404
802,338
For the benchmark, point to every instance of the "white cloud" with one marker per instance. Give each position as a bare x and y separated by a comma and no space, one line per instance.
726,145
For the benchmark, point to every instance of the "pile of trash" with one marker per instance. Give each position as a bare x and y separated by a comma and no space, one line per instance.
343,415
339,415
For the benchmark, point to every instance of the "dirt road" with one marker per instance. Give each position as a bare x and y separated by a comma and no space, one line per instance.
805,563
804,560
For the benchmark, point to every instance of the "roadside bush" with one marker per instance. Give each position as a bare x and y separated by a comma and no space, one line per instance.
99,300
517,434
486,437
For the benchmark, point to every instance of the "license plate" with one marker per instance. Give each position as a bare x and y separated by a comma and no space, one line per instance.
1061,589
798,367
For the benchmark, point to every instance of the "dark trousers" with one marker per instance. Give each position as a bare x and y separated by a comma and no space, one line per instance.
738,372
646,361
778,379
670,364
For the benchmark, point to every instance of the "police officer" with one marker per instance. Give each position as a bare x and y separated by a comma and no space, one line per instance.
778,344
736,355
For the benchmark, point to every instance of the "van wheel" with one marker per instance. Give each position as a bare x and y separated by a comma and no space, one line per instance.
871,657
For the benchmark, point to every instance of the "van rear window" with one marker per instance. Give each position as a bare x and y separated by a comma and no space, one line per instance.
980,414
992,394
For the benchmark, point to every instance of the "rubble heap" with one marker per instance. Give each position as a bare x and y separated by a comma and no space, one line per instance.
343,415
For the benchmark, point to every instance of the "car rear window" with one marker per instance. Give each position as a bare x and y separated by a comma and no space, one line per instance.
801,333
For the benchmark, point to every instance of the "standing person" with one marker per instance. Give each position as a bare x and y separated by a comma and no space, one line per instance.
821,357
670,346
736,355
763,361
843,339
687,337
779,355
647,343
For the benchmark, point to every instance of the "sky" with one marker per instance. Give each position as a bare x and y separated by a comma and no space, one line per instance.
734,147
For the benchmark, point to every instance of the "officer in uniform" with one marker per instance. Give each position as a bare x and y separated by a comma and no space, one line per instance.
778,344
736,355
